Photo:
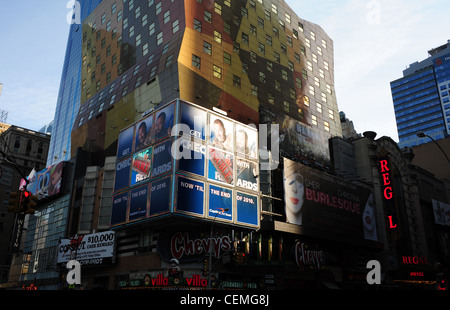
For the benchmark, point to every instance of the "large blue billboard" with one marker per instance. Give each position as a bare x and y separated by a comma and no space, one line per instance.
190,196
187,160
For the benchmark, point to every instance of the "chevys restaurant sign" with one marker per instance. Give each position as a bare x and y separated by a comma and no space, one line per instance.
190,246
307,257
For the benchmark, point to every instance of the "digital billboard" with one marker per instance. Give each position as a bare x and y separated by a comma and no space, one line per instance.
46,182
192,166
327,204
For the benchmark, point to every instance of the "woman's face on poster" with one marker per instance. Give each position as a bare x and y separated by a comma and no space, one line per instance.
294,188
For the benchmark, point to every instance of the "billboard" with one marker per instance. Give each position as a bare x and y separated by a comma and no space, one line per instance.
192,166
441,212
92,249
46,182
326,204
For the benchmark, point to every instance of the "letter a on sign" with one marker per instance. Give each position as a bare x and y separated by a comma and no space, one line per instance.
74,275
373,276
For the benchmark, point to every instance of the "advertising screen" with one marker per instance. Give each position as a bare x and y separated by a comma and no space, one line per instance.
193,166
164,121
122,178
220,199
162,158
327,204
143,133
160,199
141,166
191,196
222,132
125,148
220,166
138,203
193,159
195,119
247,209
47,182
91,249
119,209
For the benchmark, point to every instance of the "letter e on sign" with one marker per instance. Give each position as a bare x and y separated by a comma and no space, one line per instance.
374,275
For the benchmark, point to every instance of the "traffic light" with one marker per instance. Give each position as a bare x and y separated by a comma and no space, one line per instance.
14,202
28,202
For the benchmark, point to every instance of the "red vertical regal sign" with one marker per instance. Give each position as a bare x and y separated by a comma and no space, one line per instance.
388,194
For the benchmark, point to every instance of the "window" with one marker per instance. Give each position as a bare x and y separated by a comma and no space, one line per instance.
175,26
274,8
207,47
151,29
166,17
276,57
330,114
314,119
236,81
311,90
227,27
306,101
325,64
284,75
269,66
245,68
286,106
196,61
261,48
326,125
159,38
268,40
245,38
313,36
208,17
288,18
227,58
169,60
138,40
260,22
253,30
270,98
197,25
158,8
262,77
319,107
217,72
254,90
217,36
218,8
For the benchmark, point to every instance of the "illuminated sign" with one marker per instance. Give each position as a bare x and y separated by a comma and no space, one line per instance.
91,249
414,260
324,203
187,160
387,189
305,256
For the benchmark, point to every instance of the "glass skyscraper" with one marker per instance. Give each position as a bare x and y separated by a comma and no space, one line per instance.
421,98
68,102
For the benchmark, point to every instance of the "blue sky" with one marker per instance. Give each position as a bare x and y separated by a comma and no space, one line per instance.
374,41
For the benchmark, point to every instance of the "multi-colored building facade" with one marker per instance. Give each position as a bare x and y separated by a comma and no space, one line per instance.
255,60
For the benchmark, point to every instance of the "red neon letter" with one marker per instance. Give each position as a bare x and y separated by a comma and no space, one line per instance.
388,195
383,164
386,179
390,222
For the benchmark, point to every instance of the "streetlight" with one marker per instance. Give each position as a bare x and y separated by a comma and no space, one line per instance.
423,135
211,244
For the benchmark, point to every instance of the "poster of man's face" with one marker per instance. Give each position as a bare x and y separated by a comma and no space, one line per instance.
163,122
221,132
246,141
143,132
